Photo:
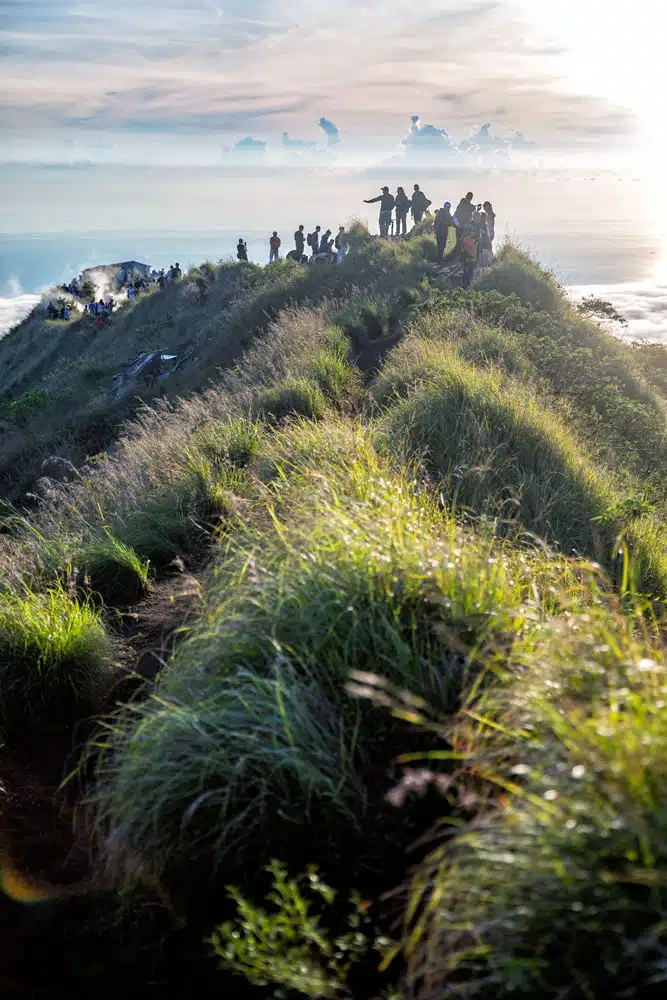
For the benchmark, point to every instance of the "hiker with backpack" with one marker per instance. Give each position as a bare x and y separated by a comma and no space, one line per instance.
341,245
463,216
274,247
419,204
326,243
387,202
313,241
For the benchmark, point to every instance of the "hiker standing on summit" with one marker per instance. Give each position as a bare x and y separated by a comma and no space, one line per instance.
403,204
274,245
443,223
419,204
463,216
299,241
387,202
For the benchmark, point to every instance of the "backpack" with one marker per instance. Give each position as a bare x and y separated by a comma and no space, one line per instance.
309,239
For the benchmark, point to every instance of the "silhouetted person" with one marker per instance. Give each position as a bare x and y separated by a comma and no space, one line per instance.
176,274
463,216
403,204
419,204
326,244
274,247
387,202
490,219
443,223
241,250
299,241
314,240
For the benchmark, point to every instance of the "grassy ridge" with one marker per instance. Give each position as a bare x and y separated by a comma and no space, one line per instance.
455,552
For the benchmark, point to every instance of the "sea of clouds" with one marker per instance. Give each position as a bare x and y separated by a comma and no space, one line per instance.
15,306
643,304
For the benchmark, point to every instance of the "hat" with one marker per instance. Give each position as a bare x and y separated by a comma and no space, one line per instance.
448,204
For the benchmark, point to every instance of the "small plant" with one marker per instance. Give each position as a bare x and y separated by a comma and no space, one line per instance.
288,946
20,410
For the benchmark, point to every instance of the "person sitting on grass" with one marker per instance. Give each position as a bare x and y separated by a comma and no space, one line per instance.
387,202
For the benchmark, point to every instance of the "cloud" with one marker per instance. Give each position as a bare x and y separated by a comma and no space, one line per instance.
644,305
245,66
15,308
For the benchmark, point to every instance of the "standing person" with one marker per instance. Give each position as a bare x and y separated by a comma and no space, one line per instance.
274,244
130,293
463,216
325,246
299,241
176,274
100,308
484,242
443,223
403,204
387,202
419,204
468,255
313,240
341,245
241,250
490,219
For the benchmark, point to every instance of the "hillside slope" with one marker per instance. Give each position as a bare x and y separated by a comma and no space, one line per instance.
383,593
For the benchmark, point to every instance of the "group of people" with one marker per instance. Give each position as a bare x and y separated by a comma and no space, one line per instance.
324,247
59,310
417,206
474,225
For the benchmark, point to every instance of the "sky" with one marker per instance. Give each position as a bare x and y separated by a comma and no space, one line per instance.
120,82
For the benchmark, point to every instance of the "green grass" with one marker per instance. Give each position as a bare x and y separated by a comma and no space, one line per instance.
114,571
514,272
496,450
56,659
292,397
354,570
558,888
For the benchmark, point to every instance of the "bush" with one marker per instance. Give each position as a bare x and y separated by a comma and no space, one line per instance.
56,662
289,946
514,272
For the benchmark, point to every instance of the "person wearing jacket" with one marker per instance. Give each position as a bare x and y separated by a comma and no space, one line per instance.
387,202
274,245
340,244
463,216
490,219
403,204
299,241
443,223
419,204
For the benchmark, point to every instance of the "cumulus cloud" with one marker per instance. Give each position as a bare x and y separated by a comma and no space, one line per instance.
331,131
644,306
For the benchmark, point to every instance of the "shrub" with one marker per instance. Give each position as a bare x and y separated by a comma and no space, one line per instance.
514,272
289,946
56,661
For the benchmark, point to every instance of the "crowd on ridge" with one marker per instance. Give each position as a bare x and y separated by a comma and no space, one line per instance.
473,224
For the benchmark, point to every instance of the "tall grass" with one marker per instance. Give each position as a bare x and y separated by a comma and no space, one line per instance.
559,888
496,450
352,570
56,659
